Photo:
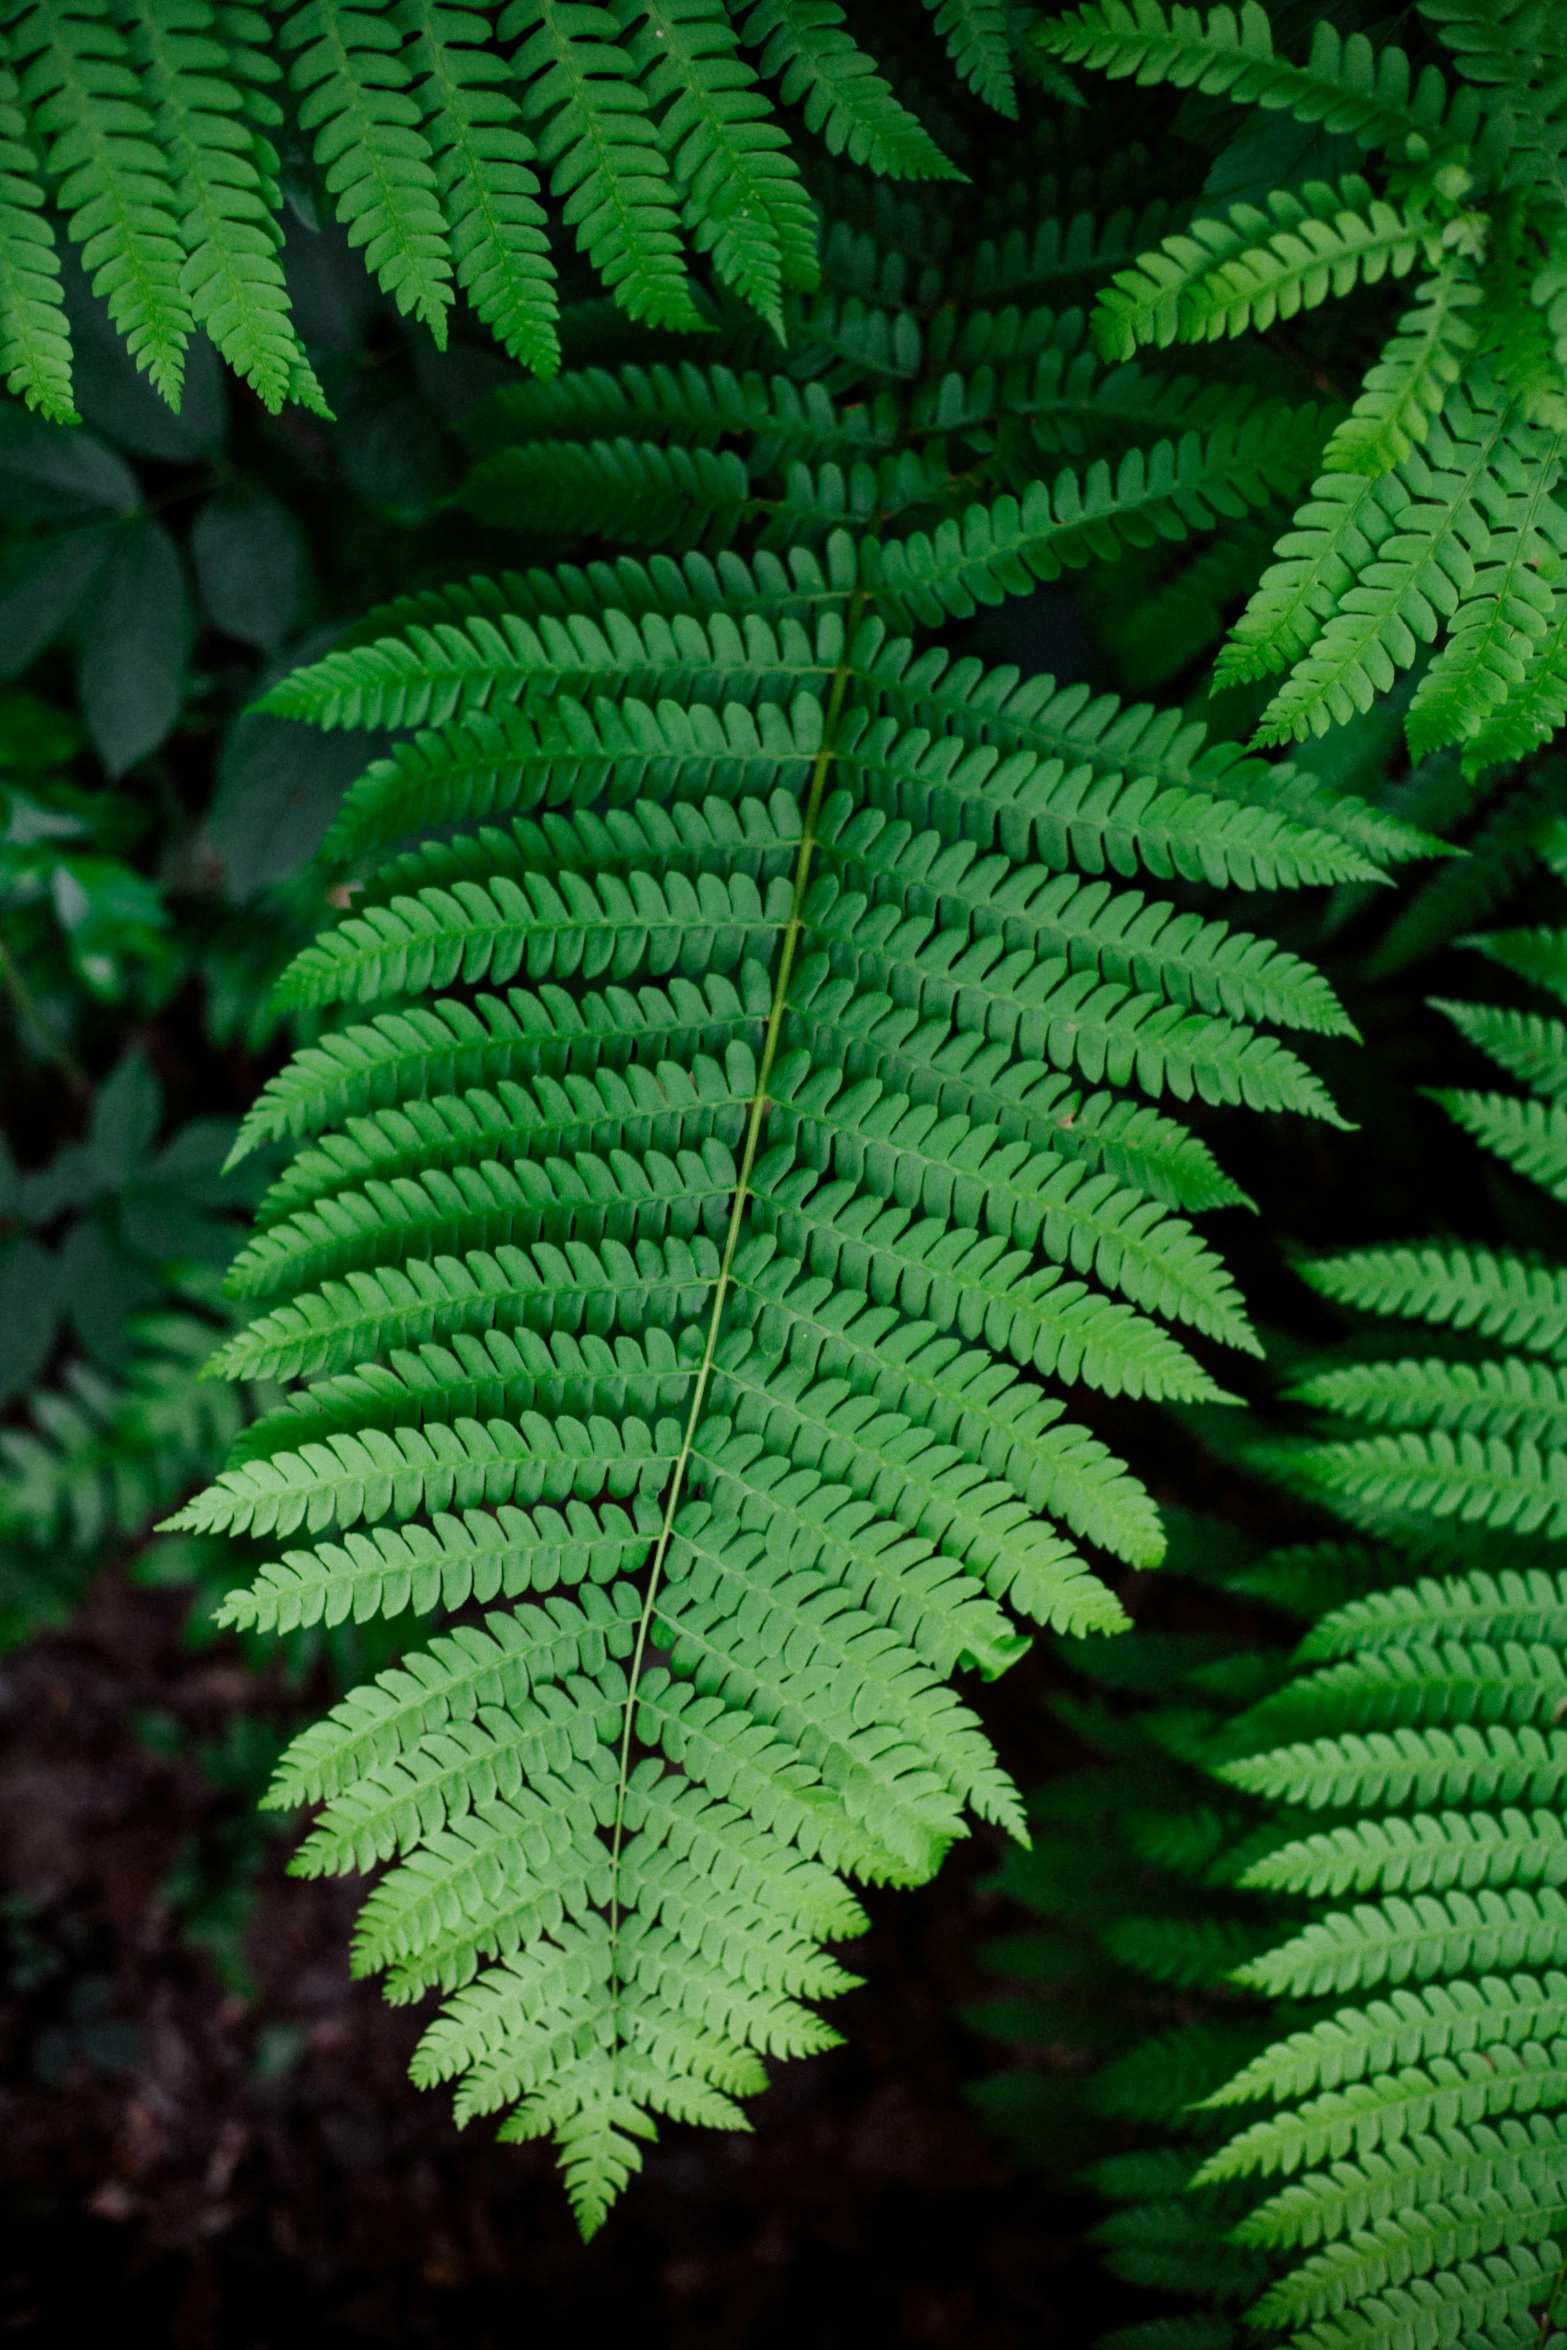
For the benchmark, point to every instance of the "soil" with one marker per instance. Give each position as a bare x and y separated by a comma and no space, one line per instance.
244,2163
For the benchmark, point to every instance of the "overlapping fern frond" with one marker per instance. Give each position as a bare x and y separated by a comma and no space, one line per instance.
1436,520
1391,2155
443,137
750,1106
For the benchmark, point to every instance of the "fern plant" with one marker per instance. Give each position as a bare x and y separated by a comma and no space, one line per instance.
753,1109
453,143
1364,2136
1435,521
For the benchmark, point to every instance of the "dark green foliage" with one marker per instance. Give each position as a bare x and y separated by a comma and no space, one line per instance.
751,1094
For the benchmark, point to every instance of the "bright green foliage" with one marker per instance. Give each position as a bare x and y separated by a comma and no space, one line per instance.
35,349
443,136
484,176
748,1104
594,126
96,135
747,205
354,91
207,111
1436,513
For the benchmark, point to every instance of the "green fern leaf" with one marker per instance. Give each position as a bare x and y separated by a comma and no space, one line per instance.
1496,633
594,127
975,32
233,276
1411,381
843,96
1347,86
747,205
1258,266
35,343
86,109
354,95
1421,574
483,172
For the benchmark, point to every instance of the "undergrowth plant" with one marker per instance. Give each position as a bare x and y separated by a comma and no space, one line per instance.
751,1109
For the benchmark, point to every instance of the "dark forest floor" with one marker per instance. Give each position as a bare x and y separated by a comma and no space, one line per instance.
191,2165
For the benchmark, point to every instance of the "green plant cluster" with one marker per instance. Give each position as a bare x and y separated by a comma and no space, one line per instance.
567,757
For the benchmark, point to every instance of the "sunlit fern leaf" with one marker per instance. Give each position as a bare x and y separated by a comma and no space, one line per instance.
1535,706
377,162
194,75
1410,383
1528,1045
89,115
753,1107
1498,631
820,67
747,204
1360,629
594,128
1256,266
35,346
484,174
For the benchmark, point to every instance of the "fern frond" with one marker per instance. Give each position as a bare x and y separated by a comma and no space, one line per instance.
1496,1764
1444,2020
1173,489
35,343
595,129
1413,2244
353,83
1495,1295
1347,85
1422,573
1410,383
484,175
233,275
1223,276
86,109
1497,631
1482,1481
979,45
843,96
1531,1136
749,1123
1430,1935
1504,1397
1525,1044
1439,2169
747,205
